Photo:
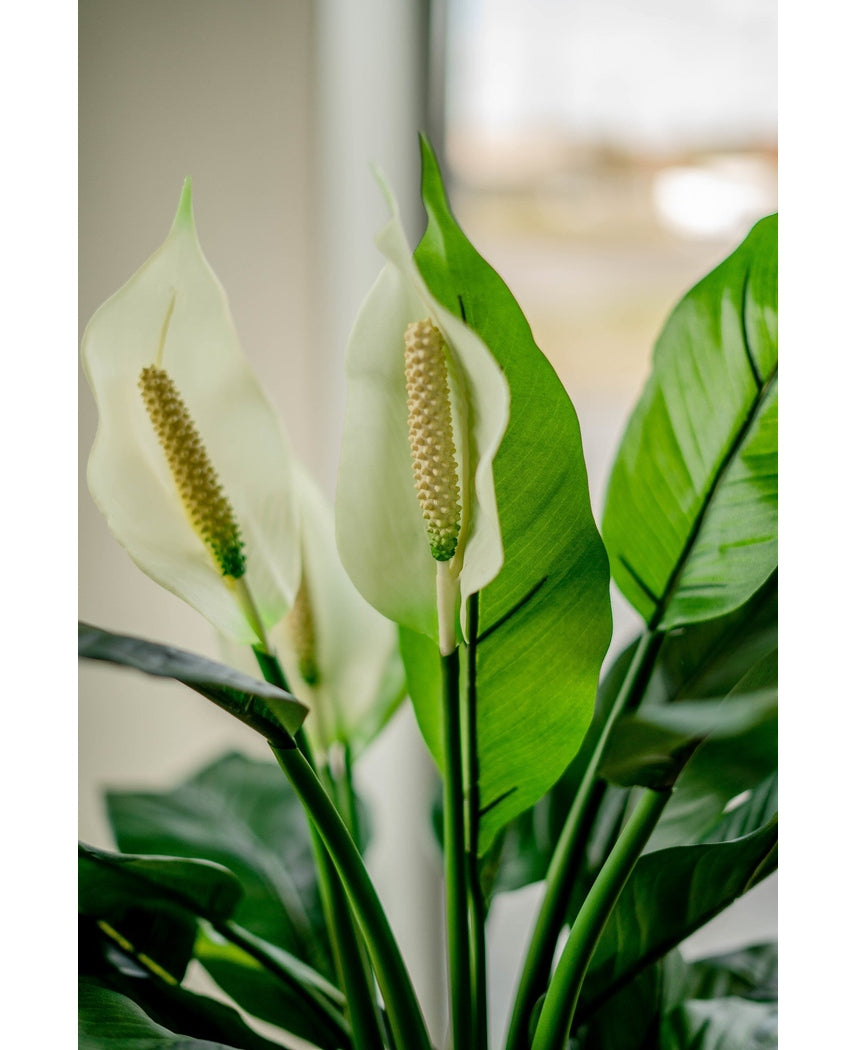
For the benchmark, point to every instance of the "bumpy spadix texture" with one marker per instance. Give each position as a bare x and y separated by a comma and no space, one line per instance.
432,436
195,477
380,524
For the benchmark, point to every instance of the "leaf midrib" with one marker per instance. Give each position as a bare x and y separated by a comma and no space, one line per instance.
721,470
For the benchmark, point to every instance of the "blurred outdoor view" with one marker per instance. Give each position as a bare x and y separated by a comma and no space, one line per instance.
606,154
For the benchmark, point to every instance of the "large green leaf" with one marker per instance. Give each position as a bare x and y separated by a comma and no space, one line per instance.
670,894
521,853
708,659
545,621
242,814
700,660
657,1004
690,521
200,886
630,1020
264,707
735,739
152,902
124,1005
111,1020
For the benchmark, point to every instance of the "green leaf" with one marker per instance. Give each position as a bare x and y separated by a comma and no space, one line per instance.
263,707
630,1020
738,756
522,852
545,620
670,894
750,973
206,889
303,1004
152,902
242,814
112,1019
653,743
123,1003
721,1024
700,660
708,659
690,521
173,314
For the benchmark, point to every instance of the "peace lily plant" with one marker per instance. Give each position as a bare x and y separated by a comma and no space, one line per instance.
464,574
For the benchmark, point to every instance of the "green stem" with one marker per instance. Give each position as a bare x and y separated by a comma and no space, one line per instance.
405,1017
477,907
352,968
559,1007
569,851
454,843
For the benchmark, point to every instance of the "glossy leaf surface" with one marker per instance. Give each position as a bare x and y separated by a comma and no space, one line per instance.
263,707
669,895
545,621
690,521
112,1019
153,902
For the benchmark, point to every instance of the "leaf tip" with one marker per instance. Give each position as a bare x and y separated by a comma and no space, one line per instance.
184,214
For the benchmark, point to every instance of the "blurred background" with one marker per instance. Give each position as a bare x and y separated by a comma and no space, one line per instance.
601,154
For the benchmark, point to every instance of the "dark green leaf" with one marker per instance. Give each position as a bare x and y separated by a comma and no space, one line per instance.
202,887
745,814
750,973
721,1024
283,992
690,521
242,814
152,902
630,1020
124,1006
110,1019
263,707
545,621
737,759
708,659
670,894
732,741
645,754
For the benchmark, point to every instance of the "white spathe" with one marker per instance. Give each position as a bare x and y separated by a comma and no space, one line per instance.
379,526
128,474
